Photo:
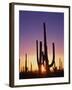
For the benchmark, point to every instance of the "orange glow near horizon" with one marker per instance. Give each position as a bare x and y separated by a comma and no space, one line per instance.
31,60
43,69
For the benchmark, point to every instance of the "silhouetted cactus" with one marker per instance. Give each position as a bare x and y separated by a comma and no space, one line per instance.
26,63
43,56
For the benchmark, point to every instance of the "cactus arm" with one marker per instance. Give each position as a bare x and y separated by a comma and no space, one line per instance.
53,61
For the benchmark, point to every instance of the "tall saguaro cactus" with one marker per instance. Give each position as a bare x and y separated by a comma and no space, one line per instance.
43,56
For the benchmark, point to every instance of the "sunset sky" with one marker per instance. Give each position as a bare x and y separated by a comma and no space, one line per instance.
31,29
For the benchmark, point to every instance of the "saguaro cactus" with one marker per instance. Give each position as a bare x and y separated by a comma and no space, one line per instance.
26,63
43,56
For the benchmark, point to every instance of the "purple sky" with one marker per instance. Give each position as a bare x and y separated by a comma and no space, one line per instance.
31,29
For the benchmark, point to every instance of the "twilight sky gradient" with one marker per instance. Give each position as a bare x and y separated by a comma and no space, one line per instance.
31,29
